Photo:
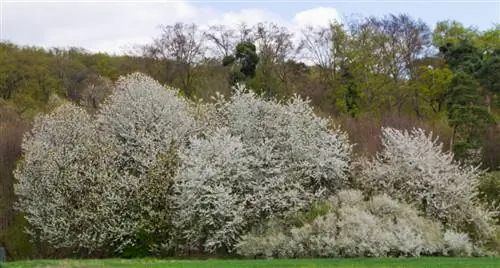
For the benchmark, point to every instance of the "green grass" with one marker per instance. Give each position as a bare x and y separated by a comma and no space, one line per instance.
439,262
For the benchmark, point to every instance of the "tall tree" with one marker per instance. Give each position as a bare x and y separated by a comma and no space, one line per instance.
183,45
244,62
222,39
275,46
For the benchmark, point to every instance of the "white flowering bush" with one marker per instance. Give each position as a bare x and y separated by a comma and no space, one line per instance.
254,166
144,124
104,183
210,190
457,244
61,186
296,156
356,227
143,119
413,168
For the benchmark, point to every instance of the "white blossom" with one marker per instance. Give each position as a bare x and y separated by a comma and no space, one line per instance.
296,156
98,184
413,167
142,119
355,227
211,190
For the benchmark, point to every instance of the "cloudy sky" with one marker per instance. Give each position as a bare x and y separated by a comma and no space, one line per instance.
114,26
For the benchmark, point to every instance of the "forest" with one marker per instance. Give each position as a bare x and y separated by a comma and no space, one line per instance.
296,137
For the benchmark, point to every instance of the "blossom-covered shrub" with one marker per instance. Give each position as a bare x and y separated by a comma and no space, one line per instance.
211,191
104,184
265,159
355,227
143,119
144,124
297,157
457,244
413,168
58,184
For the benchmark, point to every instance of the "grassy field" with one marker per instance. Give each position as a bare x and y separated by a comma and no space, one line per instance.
302,263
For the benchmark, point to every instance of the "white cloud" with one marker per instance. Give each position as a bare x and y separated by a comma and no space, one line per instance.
249,16
105,26
114,26
320,16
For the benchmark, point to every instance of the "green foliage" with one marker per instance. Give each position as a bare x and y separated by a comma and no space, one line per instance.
462,56
236,77
228,60
451,32
246,53
308,216
246,57
15,240
467,114
489,74
489,190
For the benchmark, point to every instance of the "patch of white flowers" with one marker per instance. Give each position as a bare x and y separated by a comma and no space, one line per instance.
211,190
413,168
144,119
267,159
294,150
355,228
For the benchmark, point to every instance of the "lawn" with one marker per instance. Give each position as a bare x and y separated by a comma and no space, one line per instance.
302,263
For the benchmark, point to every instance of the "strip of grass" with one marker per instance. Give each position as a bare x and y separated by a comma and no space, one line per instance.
427,262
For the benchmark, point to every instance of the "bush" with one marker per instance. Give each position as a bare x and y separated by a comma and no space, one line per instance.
16,242
297,157
102,185
377,227
413,168
457,244
211,189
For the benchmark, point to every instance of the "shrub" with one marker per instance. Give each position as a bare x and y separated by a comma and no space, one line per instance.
51,180
211,188
297,157
457,244
265,159
103,185
378,227
413,168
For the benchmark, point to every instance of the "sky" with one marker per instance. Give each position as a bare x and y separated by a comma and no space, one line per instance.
115,26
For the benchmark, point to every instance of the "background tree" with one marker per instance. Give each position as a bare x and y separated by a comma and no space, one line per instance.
275,47
246,60
182,46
